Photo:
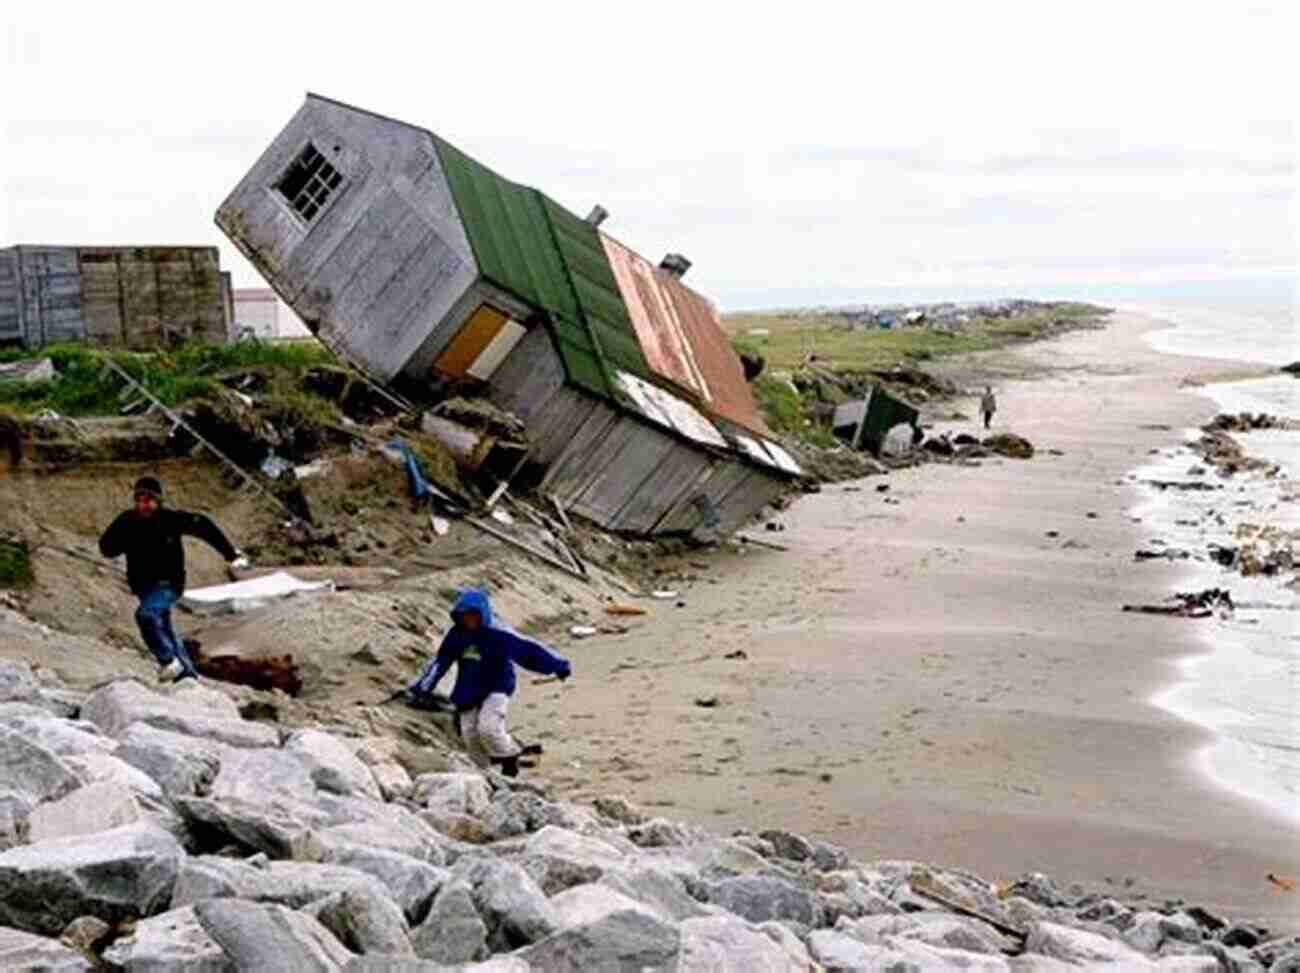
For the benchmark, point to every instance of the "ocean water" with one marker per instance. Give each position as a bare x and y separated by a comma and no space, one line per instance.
1245,684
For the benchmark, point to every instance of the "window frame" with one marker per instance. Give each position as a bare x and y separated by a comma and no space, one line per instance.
321,192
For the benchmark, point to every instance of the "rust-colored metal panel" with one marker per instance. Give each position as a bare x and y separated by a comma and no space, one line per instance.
730,396
655,319
682,337
478,332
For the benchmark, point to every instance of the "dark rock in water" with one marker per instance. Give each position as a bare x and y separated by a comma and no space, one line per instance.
1292,369
1009,444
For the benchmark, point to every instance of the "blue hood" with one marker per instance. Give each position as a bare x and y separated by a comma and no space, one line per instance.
473,599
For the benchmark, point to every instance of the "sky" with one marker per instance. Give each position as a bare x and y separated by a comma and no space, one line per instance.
812,153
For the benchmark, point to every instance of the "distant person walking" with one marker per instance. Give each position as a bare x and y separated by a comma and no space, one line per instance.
485,654
988,405
149,534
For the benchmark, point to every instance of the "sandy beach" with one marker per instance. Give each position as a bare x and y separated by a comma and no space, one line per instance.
941,671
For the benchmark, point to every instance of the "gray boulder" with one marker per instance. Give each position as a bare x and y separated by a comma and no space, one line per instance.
17,682
379,754
512,905
364,922
790,944
455,793
270,937
625,936
14,809
170,941
124,873
331,765
262,775
276,829
189,709
939,929
658,889
558,859
61,737
87,810
182,766
289,883
411,883
619,810
1080,947
32,770
760,898
837,952
725,944
453,932
105,768
387,826
21,951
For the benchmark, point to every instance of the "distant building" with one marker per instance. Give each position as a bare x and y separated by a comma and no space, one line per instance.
258,312
407,256
135,297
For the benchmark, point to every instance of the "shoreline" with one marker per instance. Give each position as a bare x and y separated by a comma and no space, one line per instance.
956,686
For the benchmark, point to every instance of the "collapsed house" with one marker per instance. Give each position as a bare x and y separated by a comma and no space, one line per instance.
866,423
409,258
134,297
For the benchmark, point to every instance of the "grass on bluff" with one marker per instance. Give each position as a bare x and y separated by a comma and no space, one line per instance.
82,388
793,336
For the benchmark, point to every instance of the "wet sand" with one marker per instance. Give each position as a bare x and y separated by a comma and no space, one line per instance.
930,675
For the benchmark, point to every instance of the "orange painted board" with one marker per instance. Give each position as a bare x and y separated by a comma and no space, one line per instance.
477,333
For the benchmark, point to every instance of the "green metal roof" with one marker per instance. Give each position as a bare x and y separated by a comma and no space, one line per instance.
548,257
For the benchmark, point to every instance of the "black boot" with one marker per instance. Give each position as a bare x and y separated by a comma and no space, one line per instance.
509,766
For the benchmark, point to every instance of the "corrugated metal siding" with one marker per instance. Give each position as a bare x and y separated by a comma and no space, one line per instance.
655,319
729,393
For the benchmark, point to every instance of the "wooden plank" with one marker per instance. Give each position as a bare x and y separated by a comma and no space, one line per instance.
679,471
744,501
719,481
551,430
490,359
565,474
477,333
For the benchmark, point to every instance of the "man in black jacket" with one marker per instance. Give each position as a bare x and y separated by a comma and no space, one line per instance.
150,537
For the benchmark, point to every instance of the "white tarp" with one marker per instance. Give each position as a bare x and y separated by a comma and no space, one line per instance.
243,595
668,410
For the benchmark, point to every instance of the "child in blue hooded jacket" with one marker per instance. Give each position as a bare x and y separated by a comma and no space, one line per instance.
485,655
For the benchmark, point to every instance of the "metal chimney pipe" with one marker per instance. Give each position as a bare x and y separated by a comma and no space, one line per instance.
598,215
675,264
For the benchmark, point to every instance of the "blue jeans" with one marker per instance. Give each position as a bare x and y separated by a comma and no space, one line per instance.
154,616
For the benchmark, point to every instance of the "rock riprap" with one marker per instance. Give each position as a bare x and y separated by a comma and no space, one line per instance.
146,829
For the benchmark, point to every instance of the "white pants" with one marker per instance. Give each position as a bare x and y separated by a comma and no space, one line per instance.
484,729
